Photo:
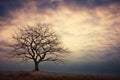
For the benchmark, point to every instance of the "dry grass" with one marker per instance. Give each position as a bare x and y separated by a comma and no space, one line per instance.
26,75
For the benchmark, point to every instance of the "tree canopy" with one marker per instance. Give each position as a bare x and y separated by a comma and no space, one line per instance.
38,43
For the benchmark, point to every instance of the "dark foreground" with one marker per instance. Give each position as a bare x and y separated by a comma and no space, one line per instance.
26,75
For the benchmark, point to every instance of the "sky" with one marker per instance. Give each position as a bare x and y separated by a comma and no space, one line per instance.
90,29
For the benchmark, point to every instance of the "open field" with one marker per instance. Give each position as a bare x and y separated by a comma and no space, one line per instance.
27,75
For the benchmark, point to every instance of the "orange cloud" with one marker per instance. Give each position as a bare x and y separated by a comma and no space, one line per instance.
82,28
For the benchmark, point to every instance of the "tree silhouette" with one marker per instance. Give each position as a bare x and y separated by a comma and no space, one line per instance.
38,43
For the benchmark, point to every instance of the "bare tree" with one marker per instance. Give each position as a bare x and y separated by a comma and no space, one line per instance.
38,43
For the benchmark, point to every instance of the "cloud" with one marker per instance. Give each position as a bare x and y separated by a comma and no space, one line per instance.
4,50
6,6
90,28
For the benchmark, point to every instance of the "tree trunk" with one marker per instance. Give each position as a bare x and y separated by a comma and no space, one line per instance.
36,67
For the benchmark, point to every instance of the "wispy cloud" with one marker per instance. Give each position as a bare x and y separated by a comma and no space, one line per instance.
90,28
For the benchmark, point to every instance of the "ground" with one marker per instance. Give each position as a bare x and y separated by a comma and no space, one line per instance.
40,75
